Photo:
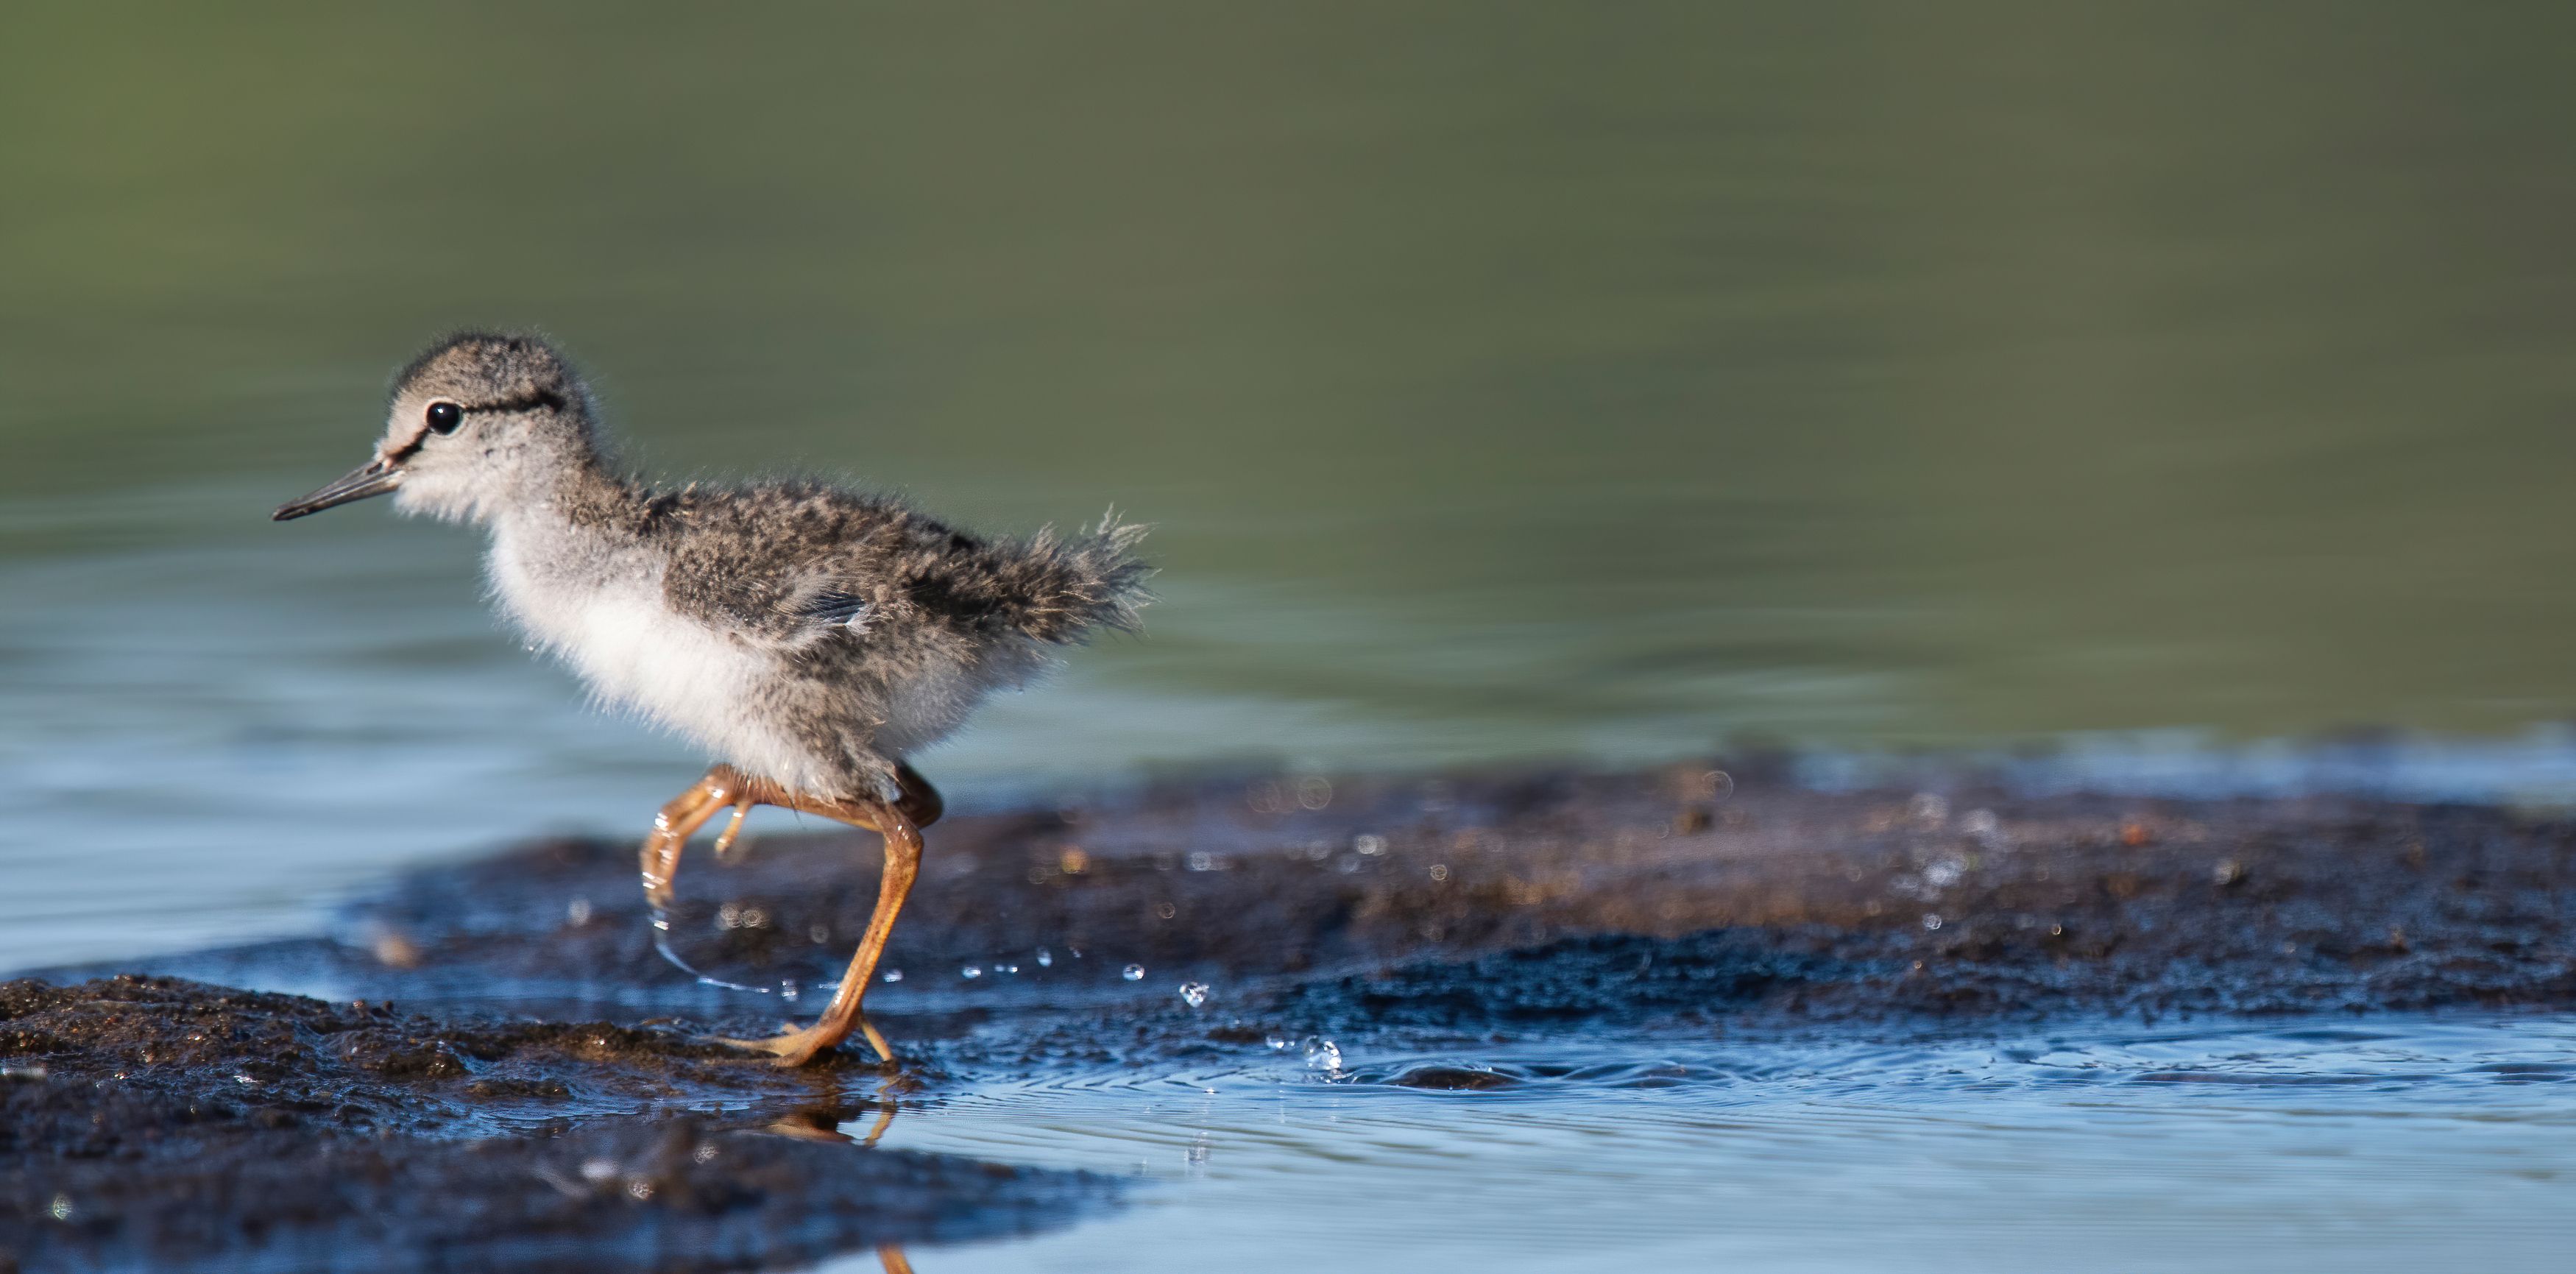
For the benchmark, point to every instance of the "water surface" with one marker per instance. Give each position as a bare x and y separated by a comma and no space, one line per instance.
2395,1144
1502,383
2163,382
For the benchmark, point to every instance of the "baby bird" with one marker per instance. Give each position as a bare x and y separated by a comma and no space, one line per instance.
809,638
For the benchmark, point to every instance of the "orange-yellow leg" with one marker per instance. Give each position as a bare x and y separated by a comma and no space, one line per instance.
725,838
679,820
919,801
899,822
902,866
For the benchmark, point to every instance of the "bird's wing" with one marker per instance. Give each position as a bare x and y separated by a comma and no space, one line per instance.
831,609
779,602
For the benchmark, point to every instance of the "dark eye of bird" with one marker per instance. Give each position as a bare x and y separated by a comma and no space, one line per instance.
445,417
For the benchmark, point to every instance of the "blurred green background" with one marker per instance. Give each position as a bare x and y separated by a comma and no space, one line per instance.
1566,381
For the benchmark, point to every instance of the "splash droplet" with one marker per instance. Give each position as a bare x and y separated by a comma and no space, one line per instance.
1133,973
891,975
1194,993
1045,957
972,971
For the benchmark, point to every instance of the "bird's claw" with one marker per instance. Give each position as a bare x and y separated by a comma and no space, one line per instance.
793,1048
724,843
797,1046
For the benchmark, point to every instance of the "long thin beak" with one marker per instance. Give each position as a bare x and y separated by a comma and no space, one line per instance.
374,478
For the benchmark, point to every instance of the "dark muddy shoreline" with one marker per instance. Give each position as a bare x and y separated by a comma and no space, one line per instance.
538,1094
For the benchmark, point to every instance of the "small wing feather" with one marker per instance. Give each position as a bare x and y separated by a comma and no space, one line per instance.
839,610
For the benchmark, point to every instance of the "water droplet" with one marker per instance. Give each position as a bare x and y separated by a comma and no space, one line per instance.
1046,958
1006,968
598,1169
1440,871
1931,921
1194,993
1277,1044
891,975
972,971
1202,861
1369,845
1166,910
1323,1055
1133,973
578,911
62,1209
819,933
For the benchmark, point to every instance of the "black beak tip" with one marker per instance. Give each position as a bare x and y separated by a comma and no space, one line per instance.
375,478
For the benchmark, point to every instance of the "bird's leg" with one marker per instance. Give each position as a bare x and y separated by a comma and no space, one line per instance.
680,820
724,839
919,801
902,865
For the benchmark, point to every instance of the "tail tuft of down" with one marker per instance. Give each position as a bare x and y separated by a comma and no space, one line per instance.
1062,587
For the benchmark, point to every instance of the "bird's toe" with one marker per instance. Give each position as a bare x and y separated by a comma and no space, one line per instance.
792,1048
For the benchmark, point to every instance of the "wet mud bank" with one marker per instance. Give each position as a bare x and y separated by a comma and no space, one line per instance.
540,1093
153,1123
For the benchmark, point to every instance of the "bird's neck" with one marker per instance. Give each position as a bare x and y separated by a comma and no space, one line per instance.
574,492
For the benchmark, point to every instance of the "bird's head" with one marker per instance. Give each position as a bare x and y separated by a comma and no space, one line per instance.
478,421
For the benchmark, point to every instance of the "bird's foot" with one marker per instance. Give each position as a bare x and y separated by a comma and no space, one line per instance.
792,1048
797,1046
732,831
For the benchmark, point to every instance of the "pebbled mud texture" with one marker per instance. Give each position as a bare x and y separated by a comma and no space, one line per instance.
150,1123
1402,912
1529,896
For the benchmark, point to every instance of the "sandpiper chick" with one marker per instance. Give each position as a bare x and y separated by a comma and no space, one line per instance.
809,638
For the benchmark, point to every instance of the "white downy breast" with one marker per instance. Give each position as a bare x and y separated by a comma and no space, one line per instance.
637,653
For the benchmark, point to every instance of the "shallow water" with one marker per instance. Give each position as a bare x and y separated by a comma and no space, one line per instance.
2164,388
2393,1144
1542,382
